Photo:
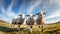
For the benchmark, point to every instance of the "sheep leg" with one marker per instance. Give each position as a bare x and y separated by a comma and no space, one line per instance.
31,29
18,27
39,28
42,27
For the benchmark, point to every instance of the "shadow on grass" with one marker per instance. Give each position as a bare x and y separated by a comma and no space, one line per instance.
14,30
5,29
53,32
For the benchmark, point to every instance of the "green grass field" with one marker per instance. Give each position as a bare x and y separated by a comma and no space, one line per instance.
5,28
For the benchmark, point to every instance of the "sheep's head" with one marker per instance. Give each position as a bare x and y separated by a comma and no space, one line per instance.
22,15
42,12
30,15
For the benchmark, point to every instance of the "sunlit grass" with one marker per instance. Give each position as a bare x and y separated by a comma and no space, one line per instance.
5,28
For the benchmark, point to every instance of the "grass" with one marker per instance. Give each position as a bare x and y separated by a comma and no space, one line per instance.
5,28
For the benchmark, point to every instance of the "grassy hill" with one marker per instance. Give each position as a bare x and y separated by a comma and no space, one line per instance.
5,28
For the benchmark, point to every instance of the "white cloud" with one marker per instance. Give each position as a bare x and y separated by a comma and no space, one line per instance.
33,5
53,17
54,14
56,11
21,8
55,1
10,12
6,14
53,20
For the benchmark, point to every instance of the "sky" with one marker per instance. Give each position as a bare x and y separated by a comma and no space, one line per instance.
12,8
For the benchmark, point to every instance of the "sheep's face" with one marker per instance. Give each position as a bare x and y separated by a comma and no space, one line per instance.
41,13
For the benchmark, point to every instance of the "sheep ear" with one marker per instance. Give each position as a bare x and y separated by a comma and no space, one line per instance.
20,15
28,15
34,15
44,13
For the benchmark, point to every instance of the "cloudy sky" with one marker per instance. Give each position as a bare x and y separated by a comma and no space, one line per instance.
12,8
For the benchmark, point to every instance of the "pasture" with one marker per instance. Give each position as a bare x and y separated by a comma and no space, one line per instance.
5,28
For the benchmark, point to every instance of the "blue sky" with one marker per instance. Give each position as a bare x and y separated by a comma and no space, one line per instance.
12,8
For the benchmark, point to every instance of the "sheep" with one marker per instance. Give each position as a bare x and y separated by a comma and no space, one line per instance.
18,21
40,19
30,22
